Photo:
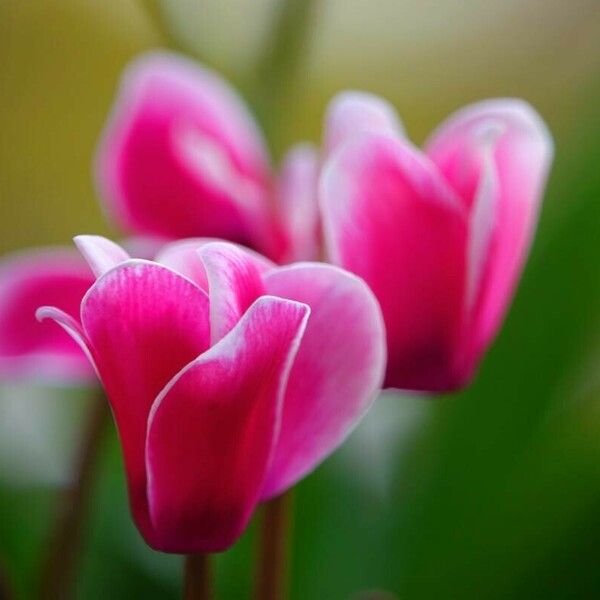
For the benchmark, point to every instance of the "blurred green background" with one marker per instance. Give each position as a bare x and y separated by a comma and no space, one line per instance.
492,493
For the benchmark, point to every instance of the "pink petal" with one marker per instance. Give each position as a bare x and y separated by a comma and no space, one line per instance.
182,157
144,323
337,373
298,197
521,154
182,256
28,348
351,113
212,430
390,218
100,253
234,283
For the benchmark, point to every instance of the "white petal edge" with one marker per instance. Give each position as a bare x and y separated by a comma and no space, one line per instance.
100,253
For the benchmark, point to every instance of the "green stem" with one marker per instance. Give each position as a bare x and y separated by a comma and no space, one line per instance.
156,14
278,68
197,577
6,589
59,566
272,572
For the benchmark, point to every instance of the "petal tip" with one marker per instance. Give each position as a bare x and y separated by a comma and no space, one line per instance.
352,112
43,313
100,253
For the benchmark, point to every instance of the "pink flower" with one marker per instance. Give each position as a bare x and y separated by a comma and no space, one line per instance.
58,276
440,235
27,279
182,156
229,378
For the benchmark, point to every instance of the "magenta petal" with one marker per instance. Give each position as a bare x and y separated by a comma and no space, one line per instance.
182,157
298,197
144,323
390,218
337,373
100,253
520,155
234,283
28,348
212,430
353,113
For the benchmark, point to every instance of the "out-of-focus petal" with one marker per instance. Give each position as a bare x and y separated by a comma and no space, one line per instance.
337,373
144,323
101,254
351,113
521,153
143,246
212,430
27,348
390,218
182,157
299,207
234,283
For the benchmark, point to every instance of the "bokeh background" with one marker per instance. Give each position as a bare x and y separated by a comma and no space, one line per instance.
492,493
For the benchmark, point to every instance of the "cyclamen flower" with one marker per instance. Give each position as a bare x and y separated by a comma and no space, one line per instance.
439,234
182,156
229,378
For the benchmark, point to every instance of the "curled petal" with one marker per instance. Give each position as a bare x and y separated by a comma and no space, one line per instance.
298,197
212,430
100,253
353,113
182,157
390,218
70,326
234,283
144,323
508,139
337,373
28,348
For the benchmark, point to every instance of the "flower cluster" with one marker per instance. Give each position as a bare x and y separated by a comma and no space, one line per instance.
231,368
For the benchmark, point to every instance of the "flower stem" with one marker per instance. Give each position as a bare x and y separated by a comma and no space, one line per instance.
6,589
197,577
60,562
156,14
273,556
279,67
